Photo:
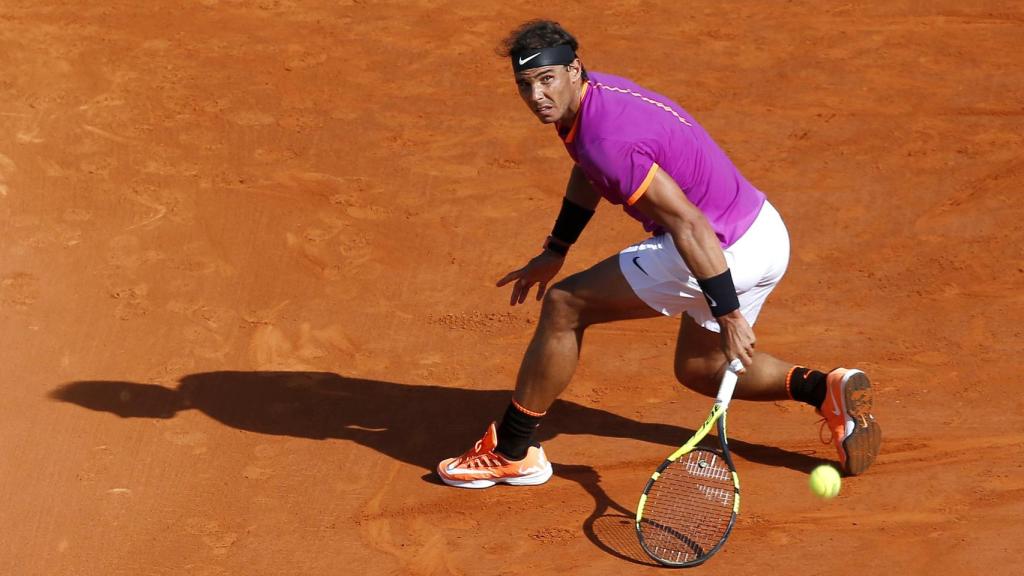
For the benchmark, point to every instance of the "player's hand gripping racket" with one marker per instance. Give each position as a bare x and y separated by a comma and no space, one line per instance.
689,505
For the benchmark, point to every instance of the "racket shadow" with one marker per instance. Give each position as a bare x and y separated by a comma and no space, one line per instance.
611,526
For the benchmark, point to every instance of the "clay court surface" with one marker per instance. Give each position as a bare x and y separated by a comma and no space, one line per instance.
247,286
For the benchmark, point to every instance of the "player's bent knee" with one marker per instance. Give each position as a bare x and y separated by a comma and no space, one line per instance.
561,309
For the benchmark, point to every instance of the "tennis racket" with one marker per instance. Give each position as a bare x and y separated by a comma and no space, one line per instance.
690,504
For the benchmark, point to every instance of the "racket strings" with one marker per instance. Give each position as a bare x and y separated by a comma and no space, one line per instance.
689,508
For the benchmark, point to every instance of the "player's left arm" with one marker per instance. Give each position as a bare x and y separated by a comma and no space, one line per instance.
665,203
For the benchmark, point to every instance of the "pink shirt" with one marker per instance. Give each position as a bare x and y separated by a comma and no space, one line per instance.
624,133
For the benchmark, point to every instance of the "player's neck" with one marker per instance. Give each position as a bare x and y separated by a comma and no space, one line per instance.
564,124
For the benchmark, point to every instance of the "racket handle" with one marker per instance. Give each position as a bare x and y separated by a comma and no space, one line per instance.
728,385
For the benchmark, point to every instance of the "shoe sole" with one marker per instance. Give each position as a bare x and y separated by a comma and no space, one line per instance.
535,479
862,445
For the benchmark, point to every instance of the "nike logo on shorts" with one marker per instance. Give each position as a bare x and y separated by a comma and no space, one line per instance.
635,261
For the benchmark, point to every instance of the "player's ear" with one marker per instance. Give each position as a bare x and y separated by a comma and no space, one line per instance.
575,69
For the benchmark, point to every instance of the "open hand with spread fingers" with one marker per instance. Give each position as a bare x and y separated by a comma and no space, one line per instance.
540,270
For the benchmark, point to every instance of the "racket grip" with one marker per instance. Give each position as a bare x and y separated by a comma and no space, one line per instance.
728,385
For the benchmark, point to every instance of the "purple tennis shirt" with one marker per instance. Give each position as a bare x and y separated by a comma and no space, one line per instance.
624,133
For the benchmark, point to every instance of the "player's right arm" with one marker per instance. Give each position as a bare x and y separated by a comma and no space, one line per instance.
578,205
580,191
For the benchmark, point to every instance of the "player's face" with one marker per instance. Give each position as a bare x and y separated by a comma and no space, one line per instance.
551,92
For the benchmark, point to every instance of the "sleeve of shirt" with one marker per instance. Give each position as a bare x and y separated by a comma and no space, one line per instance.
624,168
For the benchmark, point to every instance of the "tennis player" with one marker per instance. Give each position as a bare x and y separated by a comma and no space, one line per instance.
717,249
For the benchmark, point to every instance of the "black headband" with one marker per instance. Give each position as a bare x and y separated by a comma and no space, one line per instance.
537,58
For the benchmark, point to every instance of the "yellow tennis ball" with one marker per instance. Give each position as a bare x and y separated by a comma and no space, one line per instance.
825,481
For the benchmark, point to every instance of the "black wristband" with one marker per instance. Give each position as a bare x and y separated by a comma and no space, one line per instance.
720,293
571,221
556,247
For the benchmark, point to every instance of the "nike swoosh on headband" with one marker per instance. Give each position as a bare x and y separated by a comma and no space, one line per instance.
525,60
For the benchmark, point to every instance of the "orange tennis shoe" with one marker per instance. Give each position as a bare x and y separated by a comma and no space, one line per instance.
483,466
847,413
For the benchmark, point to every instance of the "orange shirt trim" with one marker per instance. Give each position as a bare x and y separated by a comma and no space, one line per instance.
643,185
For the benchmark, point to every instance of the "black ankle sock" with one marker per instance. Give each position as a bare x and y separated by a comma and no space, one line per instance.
806,385
515,433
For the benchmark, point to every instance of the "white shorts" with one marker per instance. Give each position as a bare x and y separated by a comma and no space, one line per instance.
660,277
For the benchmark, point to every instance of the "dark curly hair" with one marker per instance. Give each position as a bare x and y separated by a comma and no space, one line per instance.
537,34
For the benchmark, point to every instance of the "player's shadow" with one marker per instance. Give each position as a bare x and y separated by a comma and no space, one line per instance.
417,424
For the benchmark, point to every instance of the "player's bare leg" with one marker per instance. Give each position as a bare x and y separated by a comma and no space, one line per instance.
843,397
596,295
699,362
507,453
